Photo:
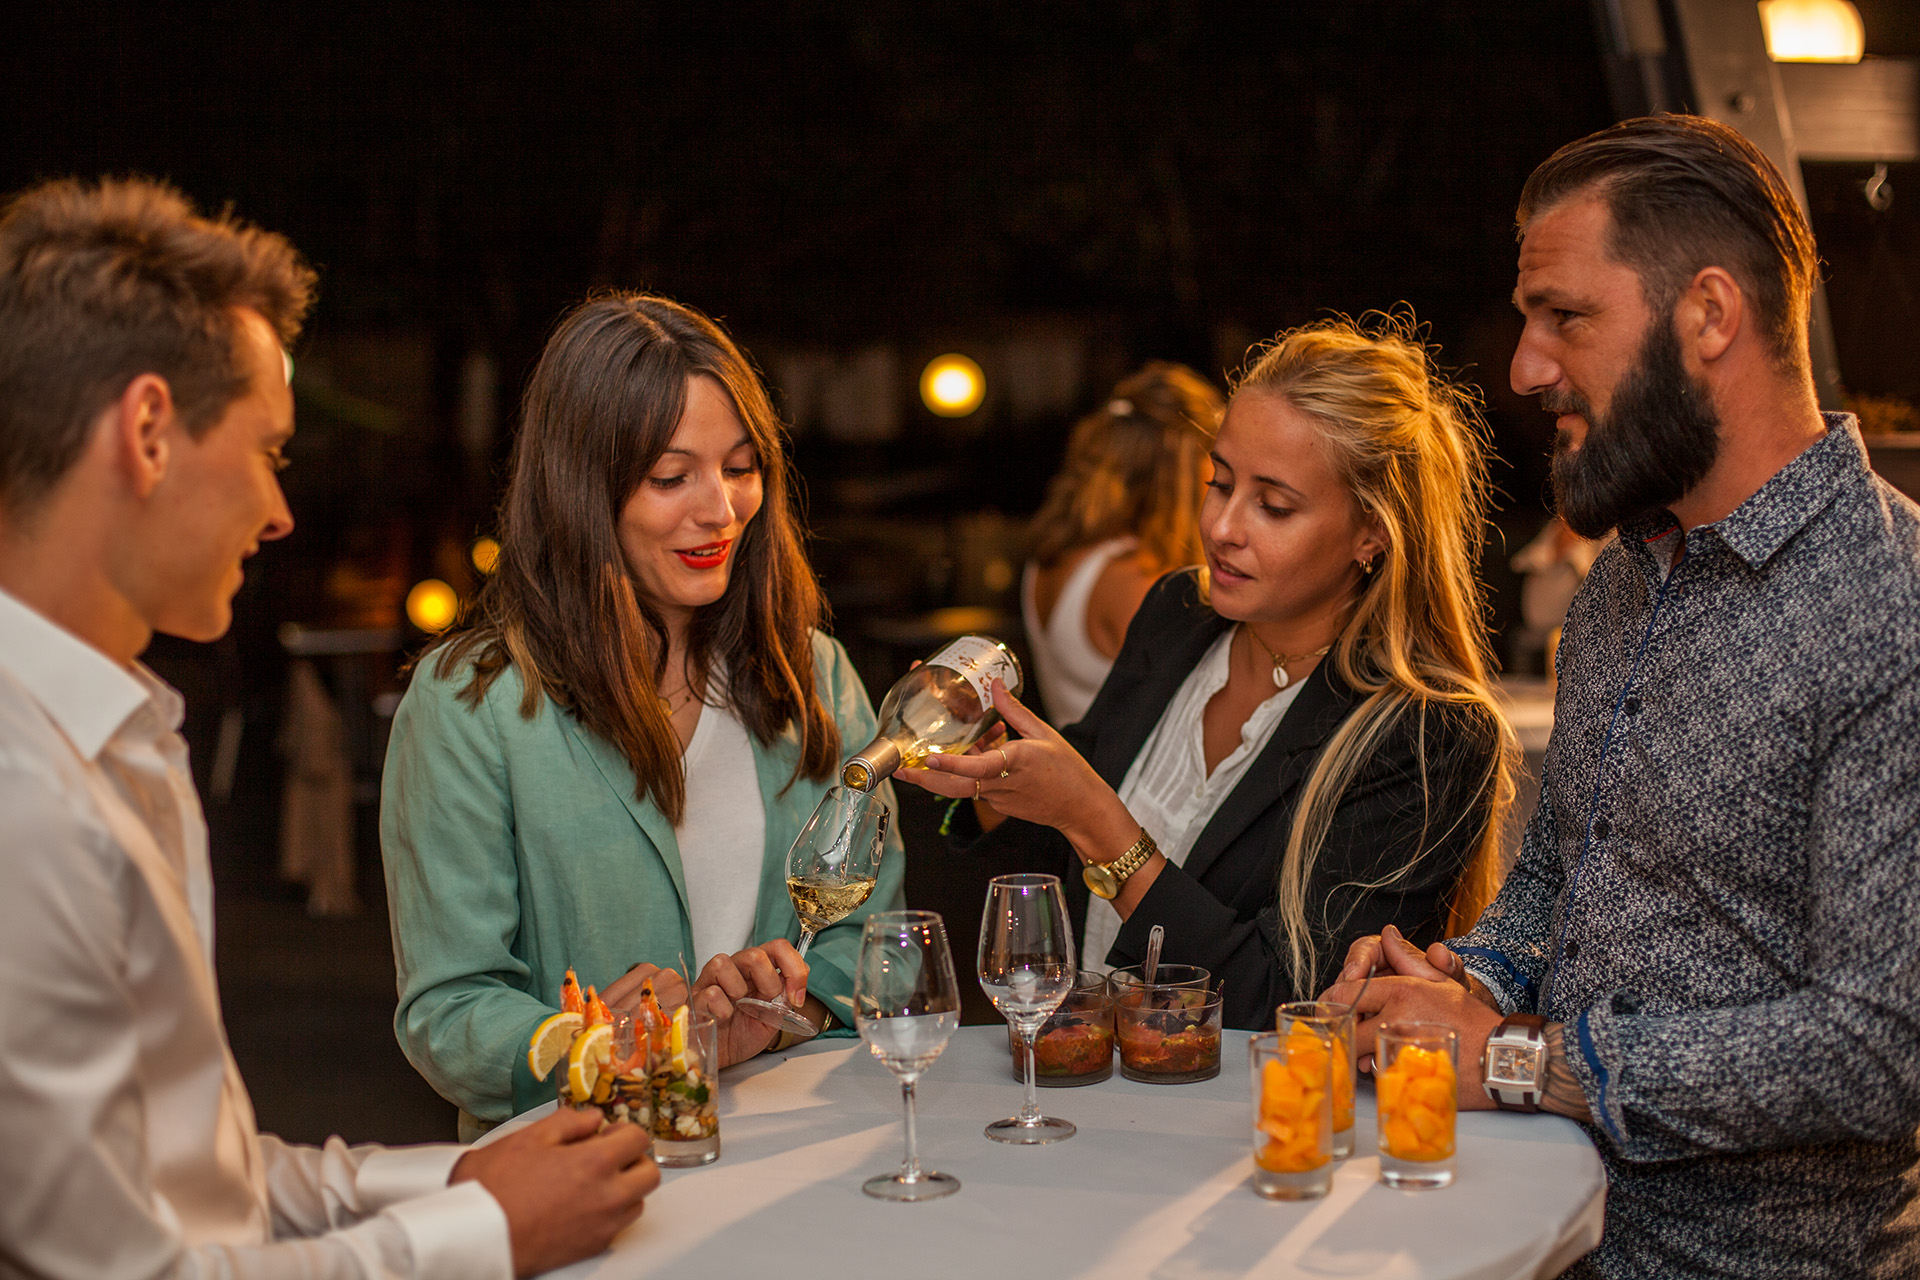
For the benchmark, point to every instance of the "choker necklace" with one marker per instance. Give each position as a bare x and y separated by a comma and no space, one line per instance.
1281,679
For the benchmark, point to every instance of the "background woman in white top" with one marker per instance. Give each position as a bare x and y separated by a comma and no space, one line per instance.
604,765
1298,740
1123,509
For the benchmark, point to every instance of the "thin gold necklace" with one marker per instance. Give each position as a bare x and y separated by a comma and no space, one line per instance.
1281,679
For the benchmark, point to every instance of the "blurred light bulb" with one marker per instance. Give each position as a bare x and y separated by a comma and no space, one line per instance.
431,605
485,554
1812,30
952,386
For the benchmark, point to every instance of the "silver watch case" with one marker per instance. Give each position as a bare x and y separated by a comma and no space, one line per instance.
1513,1069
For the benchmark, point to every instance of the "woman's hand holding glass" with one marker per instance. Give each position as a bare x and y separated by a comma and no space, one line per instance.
771,971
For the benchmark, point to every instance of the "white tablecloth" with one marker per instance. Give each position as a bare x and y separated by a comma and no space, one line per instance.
1157,1183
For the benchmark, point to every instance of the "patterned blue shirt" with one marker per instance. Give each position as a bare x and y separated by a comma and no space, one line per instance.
1720,891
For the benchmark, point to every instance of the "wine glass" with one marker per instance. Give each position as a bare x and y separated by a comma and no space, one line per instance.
1027,968
906,1004
831,870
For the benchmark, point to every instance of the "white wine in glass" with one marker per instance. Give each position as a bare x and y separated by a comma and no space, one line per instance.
1027,967
906,1004
831,870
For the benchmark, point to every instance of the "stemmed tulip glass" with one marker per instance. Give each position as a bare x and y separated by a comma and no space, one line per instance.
906,1005
1027,967
831,870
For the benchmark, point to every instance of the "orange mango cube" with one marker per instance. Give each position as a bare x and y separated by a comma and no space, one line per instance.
1416,1097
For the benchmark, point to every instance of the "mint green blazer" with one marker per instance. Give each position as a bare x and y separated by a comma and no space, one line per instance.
517,847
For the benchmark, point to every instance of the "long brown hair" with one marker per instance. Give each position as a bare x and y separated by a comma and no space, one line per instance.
1410,446
561,607
1135,466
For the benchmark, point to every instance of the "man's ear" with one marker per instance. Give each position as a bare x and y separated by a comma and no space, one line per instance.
142,422
1710,314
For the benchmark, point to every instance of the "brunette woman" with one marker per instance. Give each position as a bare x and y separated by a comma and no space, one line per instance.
604,764
1297,743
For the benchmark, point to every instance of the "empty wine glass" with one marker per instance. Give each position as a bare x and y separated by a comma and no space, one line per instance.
906,1005
1027,968
831,870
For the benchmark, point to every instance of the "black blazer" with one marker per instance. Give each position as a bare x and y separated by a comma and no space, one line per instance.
1220,909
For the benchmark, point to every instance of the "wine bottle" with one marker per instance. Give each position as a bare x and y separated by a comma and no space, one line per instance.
942,705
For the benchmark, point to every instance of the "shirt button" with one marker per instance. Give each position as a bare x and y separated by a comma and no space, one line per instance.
1200,791
1600,829
1573,950
1633,706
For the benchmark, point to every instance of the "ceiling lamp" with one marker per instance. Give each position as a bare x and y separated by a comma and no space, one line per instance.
1812,30
952,386
432,605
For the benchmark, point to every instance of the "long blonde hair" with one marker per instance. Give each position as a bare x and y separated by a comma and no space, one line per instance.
1411,448
1135,466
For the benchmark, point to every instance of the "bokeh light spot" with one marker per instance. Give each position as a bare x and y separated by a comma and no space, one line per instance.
952,385
431,605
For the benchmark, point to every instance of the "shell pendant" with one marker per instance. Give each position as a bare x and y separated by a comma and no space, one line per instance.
1280,677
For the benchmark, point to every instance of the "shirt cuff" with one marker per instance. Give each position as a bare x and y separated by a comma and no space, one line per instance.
392,1174
457,1231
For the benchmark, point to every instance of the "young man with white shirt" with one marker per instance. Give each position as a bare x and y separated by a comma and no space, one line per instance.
144,410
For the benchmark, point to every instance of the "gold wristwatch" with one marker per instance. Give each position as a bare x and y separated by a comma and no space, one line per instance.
1105,879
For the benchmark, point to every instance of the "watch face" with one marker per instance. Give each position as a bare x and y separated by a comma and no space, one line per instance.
1511,1063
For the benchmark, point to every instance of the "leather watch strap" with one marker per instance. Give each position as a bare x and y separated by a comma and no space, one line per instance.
1529,1028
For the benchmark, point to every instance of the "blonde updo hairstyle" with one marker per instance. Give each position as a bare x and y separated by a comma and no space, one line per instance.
1411,447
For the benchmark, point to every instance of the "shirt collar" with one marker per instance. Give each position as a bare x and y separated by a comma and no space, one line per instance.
1782,506
83,691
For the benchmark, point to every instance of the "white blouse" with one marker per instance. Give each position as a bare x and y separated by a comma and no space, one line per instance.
1168,789
723,835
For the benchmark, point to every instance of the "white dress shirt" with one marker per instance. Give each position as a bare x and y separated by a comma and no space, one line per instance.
127,1140
1168,789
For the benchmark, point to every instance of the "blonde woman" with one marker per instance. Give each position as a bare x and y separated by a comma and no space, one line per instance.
1297,743
1123,509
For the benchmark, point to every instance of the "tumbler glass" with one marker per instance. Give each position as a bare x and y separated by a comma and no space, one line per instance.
1415,1073
1336,1020
686,1093
1075,1044
1292,1111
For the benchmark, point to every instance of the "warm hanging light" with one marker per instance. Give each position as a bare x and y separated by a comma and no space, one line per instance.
952,385
1812,30
485,554
431,605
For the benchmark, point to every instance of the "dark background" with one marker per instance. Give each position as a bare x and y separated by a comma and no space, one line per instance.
1102,183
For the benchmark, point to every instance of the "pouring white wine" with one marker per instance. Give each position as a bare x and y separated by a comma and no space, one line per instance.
943,705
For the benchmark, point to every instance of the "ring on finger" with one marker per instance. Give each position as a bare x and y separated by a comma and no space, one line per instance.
976,788
1006,765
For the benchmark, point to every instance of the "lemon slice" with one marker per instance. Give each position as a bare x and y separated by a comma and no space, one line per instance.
550,1041
677,1040
591,1054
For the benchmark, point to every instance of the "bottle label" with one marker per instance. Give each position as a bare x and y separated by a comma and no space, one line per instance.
981,662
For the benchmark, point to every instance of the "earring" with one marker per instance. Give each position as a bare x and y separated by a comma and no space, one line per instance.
1368,566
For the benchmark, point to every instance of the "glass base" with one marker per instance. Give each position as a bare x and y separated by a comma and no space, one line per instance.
1343,1143
1308,1185
1415,1175
686,1154
776,1013
1207,1072
1015,1130
928,1186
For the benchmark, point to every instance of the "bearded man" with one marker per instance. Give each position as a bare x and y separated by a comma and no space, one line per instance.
1709,950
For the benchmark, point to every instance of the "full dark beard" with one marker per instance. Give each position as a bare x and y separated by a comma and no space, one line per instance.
1659,439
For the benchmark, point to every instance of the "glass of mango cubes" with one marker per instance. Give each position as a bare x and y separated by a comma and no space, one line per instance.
1415,1073
1337,1021
1292,1110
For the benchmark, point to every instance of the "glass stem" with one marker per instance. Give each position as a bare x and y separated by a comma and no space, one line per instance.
1030,1109
910,1167
806,940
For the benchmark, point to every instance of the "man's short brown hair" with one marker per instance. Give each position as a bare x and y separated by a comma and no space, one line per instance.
1683,193
102,282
